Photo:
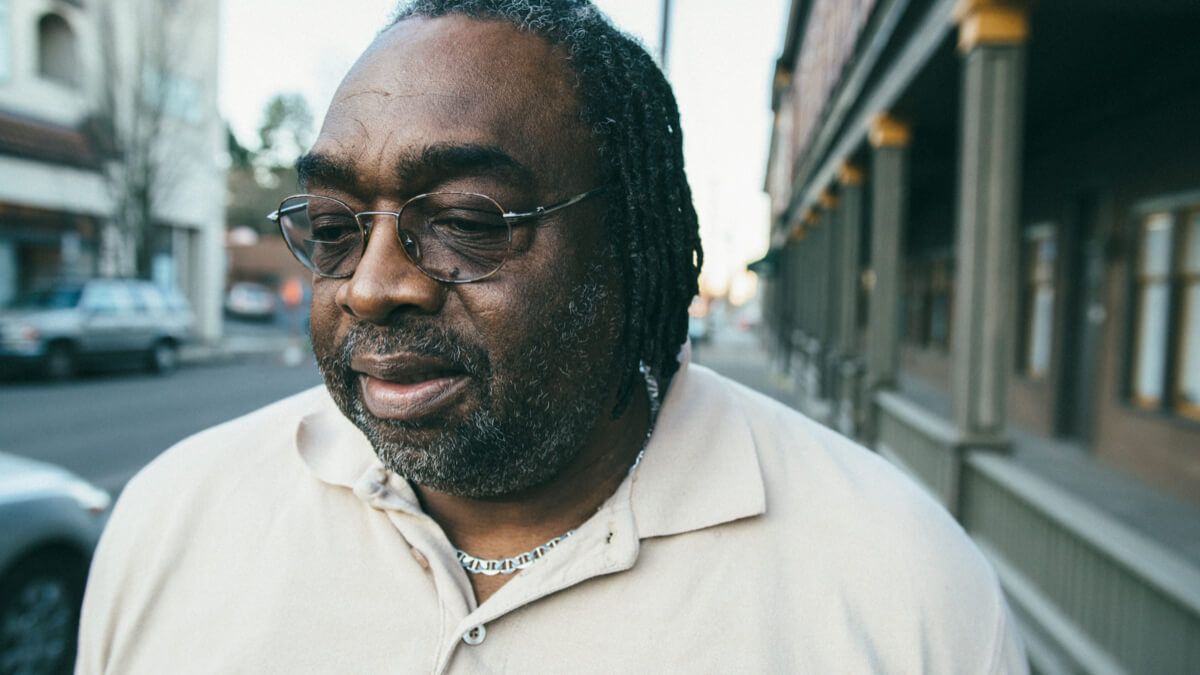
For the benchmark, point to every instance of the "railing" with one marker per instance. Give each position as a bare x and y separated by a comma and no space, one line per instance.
1110,597
920,442
1092,594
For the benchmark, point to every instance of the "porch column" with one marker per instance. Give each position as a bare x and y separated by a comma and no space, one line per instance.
825,291
847,233
790,303
802,235
992,35
890,139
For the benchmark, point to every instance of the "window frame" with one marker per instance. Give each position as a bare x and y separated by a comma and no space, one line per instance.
44,67
1171,404
1030,283
1187,281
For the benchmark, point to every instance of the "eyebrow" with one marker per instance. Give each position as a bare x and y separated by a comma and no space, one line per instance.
325,169
439,160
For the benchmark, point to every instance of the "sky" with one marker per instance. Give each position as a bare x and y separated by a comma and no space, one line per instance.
721,63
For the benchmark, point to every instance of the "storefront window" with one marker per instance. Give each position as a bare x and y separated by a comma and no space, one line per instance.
1153,309
1188,393
1040,254
927,302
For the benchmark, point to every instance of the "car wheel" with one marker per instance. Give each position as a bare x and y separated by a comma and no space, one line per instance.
39,614
60,361
164,356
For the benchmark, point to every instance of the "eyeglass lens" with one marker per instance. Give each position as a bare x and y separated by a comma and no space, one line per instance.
450,236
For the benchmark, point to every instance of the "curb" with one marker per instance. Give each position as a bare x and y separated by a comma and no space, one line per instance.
235,349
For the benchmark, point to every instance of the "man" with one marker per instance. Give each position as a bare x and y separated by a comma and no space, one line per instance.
504,249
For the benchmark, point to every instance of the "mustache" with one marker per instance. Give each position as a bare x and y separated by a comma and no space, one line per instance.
416,338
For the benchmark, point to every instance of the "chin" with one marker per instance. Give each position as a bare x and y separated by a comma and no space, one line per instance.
476,450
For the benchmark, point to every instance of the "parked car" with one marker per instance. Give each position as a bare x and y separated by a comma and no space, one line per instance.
50,521
249,300
698,329
97,322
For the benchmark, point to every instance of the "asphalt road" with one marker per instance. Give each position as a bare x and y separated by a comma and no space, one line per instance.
105,427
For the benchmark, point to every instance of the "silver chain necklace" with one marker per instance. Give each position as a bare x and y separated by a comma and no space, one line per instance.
493,566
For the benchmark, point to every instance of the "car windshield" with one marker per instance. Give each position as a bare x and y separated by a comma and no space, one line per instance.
55,297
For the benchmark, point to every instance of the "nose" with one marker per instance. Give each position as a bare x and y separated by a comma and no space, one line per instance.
386,282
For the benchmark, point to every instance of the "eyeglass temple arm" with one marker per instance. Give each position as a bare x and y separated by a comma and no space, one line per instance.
275,215
544,210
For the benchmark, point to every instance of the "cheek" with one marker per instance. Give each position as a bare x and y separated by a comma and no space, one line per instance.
324,314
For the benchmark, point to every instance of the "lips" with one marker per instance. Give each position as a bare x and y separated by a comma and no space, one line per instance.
407,387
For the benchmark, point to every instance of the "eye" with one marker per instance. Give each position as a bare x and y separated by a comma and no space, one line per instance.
465,226
331,228
468,226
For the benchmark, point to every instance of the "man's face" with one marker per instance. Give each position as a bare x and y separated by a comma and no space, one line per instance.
486,388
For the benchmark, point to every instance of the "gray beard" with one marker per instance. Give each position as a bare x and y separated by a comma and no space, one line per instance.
533,414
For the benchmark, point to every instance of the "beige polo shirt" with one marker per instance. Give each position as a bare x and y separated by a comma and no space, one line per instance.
750,540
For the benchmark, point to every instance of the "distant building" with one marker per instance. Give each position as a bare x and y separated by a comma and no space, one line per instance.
58,207
985,264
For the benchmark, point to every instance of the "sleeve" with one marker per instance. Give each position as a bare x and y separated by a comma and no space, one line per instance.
1008,655
103,625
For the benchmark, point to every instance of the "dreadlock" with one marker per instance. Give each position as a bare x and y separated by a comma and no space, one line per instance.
627,104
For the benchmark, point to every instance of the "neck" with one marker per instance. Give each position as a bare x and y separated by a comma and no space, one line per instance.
513,524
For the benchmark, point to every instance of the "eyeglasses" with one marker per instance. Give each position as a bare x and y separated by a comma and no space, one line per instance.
453,237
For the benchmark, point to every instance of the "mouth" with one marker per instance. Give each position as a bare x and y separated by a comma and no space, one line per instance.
407,387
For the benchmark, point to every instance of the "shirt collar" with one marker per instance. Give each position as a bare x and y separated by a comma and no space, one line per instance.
701,465
332,448
700,468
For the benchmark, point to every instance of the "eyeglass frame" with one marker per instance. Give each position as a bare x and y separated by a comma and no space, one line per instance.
510,218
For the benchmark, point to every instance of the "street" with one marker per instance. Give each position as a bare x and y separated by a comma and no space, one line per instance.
106,427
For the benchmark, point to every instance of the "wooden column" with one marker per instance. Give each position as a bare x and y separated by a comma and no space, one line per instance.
827,283
848,231
890,140
846,347
992,35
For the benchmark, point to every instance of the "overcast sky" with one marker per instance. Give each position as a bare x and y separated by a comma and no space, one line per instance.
721,62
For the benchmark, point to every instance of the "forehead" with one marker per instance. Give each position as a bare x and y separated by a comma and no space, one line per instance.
455,81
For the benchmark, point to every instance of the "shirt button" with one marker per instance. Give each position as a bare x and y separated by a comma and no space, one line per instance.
475,636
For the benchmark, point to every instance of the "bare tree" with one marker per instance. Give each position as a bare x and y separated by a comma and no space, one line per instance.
258,179
143,92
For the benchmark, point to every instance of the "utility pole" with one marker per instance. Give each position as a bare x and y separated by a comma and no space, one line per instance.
665,38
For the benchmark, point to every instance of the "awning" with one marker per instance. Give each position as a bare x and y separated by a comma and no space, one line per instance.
768,265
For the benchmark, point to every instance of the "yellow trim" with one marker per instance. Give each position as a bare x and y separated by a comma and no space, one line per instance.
798,232
1146,403
889,132
827,200
811,218
783,78
991,22
850,174
1188,409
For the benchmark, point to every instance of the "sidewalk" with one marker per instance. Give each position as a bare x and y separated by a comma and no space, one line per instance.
234,348
739,356
244,340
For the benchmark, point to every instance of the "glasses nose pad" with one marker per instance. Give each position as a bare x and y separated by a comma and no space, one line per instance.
411,247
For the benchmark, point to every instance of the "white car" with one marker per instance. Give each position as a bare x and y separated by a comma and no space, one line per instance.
50,520
95,322
249,300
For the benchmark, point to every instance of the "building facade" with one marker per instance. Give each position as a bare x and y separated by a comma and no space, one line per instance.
67,69
985,264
